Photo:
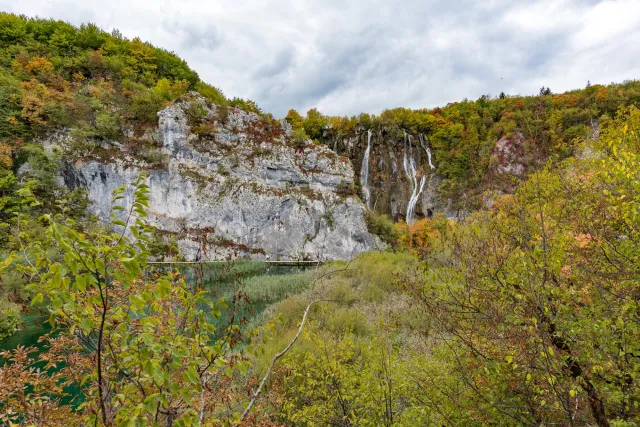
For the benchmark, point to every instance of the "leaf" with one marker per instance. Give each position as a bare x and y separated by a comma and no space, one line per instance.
37,299
81,283
192,375
149,368
242,368
86,324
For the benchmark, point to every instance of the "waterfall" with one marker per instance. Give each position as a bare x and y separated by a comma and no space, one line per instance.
411,206
425,144
364,172
411,171
405,161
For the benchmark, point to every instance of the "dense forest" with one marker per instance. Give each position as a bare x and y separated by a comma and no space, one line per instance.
523,313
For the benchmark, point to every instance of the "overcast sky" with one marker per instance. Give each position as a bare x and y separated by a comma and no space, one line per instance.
347,57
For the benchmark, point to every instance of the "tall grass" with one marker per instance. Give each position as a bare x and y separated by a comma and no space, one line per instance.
220,273
269,289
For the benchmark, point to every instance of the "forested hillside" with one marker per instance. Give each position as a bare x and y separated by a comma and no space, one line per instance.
86,83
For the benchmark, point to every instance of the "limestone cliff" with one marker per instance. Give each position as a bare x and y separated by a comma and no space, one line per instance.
227,183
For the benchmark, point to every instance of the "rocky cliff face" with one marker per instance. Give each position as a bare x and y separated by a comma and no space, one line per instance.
225,183
402,181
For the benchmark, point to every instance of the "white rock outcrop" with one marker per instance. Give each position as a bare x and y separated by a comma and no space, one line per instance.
237,189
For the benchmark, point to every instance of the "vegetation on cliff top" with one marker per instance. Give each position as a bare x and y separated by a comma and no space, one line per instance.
99,85
463,135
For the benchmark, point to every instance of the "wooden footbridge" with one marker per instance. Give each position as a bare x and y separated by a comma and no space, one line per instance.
288,263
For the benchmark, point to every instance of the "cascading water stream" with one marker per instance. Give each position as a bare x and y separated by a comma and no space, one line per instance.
411,171
405,161
425,144
364,172
417,190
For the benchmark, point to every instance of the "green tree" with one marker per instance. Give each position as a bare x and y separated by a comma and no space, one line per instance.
533,298
315,123
295,119
139,343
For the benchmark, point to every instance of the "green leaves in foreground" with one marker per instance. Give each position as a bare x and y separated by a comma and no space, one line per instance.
139,343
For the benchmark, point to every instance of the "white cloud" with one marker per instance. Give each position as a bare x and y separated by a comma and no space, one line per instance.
345,57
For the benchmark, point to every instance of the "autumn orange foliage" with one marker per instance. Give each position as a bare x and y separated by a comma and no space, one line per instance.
419,236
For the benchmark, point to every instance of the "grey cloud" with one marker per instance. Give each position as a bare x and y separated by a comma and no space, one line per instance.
280,64
194,36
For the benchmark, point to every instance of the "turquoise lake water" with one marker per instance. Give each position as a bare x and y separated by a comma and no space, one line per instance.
218,278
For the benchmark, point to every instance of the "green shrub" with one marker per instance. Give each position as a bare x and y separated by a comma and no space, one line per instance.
246,105
155,157
299,138
108,125
10,109
211,93
9,319
294,119
144,104
168,90
12,28
382,226
315,123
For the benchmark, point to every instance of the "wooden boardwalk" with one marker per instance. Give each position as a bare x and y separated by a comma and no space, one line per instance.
291,263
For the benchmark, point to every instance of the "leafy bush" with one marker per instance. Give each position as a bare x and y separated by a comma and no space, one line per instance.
140,342
9,319
246,105
294,119
168,90
382,226
211,93
299,139
314,124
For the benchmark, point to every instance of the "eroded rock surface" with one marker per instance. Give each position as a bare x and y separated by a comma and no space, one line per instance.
228,184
